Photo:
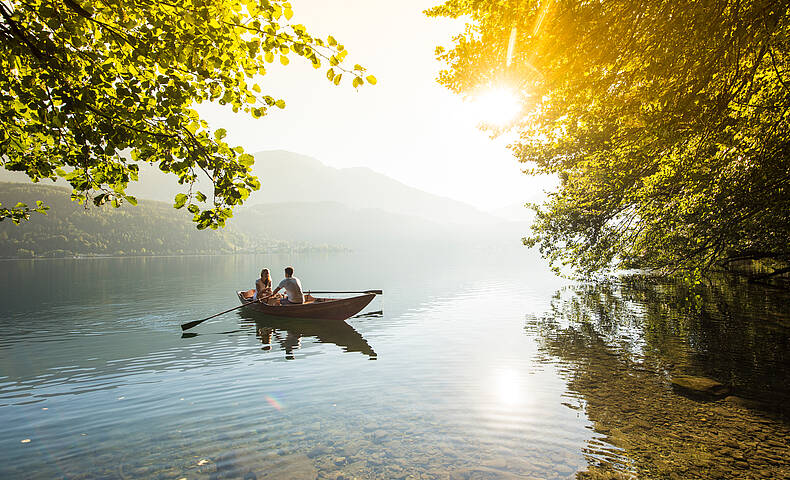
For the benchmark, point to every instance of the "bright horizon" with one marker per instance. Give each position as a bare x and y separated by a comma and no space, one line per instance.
406,127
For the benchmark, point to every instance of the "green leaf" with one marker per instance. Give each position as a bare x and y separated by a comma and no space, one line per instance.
246,159
132,200
181,200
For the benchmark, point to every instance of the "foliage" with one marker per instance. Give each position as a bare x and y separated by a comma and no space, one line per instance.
665,121
21,211
82,85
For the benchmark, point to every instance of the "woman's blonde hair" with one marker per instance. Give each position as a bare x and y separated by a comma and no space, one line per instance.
267,280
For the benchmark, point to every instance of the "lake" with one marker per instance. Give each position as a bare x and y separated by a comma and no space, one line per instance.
475,364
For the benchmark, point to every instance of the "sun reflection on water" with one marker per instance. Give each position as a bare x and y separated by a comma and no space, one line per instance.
508,386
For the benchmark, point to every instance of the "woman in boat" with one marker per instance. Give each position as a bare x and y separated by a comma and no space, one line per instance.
263,285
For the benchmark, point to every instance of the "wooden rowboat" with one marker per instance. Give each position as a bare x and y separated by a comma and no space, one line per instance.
313,308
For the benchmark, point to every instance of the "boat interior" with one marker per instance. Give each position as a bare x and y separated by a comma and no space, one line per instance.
275,300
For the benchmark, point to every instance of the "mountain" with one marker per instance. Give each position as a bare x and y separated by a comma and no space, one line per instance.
71,229
155,228
332,223
289,177
150,228
302,204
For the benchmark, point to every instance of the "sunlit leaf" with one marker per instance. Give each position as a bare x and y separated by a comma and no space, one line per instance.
181,200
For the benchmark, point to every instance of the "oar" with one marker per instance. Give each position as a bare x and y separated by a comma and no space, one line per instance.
377,292
188,325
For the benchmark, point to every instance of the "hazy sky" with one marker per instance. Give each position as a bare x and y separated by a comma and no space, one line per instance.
407,126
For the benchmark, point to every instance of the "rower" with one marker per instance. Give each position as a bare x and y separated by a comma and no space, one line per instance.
293,289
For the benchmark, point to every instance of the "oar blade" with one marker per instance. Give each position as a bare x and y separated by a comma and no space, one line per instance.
188,325
376,292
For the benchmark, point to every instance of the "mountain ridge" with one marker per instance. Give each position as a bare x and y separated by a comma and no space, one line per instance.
155,228
288,176
353,187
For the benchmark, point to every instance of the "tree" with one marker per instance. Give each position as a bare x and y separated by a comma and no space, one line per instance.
666,122
87,91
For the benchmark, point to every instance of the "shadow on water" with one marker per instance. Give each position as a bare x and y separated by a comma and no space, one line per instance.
288,333
195,334
621,344
376,314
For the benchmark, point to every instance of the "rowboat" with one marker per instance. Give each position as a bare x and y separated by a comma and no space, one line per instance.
313,308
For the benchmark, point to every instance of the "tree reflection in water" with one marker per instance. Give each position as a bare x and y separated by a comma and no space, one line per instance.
620,343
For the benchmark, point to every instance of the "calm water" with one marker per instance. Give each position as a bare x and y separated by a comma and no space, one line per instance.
472,365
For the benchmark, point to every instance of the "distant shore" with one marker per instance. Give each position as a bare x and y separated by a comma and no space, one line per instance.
296,250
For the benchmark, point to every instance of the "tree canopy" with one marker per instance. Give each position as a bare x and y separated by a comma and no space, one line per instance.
88,90
666,122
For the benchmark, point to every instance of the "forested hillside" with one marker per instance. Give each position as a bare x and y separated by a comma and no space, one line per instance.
151,228
155,228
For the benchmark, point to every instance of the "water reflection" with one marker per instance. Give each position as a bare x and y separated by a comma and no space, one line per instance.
620,344
288,333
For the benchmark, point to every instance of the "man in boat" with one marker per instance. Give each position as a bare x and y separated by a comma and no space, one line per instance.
293,289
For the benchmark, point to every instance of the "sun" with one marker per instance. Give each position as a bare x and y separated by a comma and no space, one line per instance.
497,106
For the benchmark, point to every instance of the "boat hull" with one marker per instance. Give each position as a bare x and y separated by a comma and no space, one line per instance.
317,309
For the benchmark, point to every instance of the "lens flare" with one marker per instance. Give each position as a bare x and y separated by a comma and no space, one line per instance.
273,402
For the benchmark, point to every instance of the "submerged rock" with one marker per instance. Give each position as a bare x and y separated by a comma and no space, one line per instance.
317,451
699,386
380,435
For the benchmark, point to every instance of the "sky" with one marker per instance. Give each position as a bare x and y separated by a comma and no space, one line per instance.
407,126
